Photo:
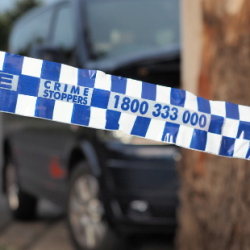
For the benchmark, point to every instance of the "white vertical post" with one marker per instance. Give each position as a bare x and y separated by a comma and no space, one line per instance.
191,24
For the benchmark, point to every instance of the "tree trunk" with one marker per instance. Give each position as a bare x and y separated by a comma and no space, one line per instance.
215,193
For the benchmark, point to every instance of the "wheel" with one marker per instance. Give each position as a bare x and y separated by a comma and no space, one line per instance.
85,216
21,204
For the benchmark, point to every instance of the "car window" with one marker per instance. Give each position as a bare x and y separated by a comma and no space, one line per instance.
141,25
64,34
33,30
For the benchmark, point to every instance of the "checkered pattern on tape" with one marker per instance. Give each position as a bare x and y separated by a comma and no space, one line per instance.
228,133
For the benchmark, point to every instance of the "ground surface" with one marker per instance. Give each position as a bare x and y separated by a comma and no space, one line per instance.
48,231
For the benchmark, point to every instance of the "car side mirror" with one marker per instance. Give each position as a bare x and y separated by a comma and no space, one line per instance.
48,53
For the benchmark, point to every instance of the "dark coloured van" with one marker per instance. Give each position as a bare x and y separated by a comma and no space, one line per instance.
109,183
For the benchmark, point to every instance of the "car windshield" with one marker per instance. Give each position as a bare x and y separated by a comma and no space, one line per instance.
117,27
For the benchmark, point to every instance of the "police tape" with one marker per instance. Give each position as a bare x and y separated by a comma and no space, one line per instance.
61,93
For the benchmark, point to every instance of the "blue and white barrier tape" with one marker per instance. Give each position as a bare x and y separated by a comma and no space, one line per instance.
62,93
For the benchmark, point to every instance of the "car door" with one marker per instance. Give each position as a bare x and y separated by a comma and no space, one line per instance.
42,146
31,30
55,139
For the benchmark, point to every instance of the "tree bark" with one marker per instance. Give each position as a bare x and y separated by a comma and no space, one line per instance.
215,191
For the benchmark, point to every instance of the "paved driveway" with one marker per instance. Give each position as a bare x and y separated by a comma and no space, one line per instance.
48,231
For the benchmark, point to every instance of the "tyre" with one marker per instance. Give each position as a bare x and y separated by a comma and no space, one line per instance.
21,204
85,214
